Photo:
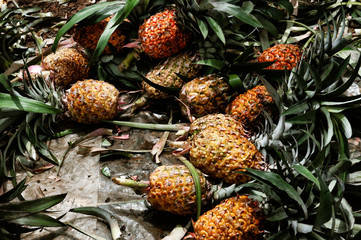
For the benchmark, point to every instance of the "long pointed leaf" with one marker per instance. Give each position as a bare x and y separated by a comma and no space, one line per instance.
39,220
34,206
275,180
26,104
216,28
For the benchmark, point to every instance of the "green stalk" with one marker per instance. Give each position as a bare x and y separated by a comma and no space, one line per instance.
151,126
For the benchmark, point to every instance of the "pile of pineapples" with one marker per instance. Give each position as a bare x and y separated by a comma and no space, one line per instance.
259,85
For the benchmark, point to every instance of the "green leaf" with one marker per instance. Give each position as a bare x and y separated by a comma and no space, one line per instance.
235,81
26,104
344,123
203,27
307,174
38,220
324,210
329,134
79,16
306,118
216,28
278,215
34,206
341,89
105,215
217,64
297,108
237,12
112,26
197,183
271,28
282,185
14,192
315,76
285,4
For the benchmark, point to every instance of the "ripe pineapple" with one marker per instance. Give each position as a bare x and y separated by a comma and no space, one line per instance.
171,188
235,218
204,95
90,101
161,36
66,66
285,56
167,73
225,124
248,107
222,155
88,36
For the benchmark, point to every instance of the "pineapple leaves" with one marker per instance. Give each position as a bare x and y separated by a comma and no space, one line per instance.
237,12
112,26
203,27
216,28
103,214
307,174
197,183
26,104
38,220
325,209
34,206
275,180
14,192
81,15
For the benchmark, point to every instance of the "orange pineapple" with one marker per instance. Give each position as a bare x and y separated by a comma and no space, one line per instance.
285,56
88,36
161,36
236,218
248,107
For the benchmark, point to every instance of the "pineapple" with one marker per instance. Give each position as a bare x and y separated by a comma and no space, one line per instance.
224,123
204,95
90,101
222,155
167,74
171,188
285,56
237,217
66,66
161,36
248,107
88,36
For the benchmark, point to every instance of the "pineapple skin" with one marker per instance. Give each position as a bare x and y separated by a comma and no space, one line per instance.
222,154
235,218
248,106
172,189
161,36
66,66
204,95
166,73
88,36
223,122
90,101
286,56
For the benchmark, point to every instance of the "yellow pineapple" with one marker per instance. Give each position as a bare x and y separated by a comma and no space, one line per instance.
248,106
204,95
161,36
222,155
236,218
90,101
285,56
88,36
66,66
171,188
167,73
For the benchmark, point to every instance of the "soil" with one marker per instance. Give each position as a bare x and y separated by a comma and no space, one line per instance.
63,9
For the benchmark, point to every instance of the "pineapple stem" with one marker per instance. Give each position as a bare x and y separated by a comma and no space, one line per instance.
131,183
152,126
